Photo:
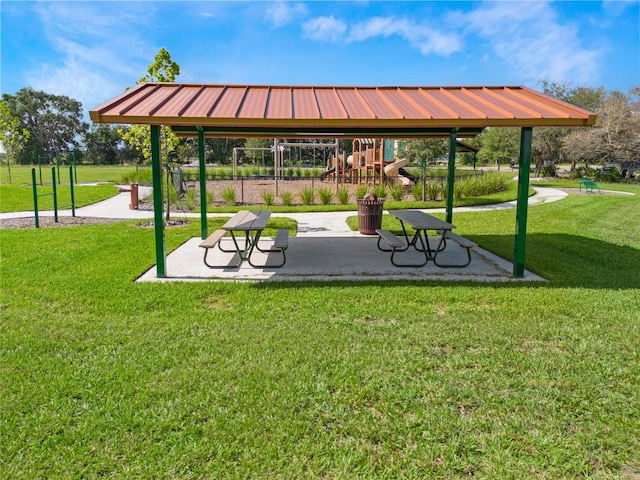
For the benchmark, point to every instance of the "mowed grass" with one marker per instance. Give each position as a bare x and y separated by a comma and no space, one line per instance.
102,376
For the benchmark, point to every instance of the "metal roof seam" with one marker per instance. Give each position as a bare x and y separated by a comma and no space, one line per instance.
166,100
138,101
414,104
525,101
438,103
390,104
191,101
514,103
216,102
483,101
344,108
366,104
462,103
244,97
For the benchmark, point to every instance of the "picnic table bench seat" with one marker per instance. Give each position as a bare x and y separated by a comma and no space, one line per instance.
464,243
210,242
397,245
280,244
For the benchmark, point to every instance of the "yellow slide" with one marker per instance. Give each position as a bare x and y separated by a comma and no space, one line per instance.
393,170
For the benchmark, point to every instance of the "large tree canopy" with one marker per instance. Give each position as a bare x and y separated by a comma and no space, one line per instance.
53,121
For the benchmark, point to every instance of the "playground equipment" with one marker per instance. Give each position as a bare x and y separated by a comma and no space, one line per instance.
372,161
54,193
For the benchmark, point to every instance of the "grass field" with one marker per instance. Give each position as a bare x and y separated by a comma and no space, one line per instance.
101,376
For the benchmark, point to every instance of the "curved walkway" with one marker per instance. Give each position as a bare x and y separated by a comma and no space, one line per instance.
309,223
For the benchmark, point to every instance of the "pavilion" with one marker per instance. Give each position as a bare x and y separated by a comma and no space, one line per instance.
288,112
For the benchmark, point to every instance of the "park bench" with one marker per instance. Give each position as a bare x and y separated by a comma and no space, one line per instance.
588,185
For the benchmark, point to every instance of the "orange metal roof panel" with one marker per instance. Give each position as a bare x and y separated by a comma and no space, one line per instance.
354,104
147,103
380,104
176,101
202,103
398,98
230,102
329,104
254,104
280,105
360,108
425,101
306,104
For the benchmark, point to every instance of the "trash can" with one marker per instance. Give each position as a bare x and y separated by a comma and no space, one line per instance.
369,214
134,197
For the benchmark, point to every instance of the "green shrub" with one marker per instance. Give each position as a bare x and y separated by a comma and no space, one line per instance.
416,191
343,195
380,191
191,199
286,197
361,191
229,196
268,197
141,176
307,195
433,190
549,171
396,190
326,195
580,172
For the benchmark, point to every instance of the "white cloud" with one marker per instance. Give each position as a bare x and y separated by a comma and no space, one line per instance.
282,13
529,38
92,61
324,28
428,40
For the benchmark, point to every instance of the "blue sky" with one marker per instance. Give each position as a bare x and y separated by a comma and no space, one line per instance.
92,50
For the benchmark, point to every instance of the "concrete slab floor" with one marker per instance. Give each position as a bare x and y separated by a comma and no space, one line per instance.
341,257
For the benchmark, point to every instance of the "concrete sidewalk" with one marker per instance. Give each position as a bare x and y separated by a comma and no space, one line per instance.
325,248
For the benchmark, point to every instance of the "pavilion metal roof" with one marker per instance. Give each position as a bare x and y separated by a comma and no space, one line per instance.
264,110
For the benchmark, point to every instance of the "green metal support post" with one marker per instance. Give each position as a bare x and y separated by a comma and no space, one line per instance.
524,165
156,172
35,195
203,185
73,196
451,173
55,194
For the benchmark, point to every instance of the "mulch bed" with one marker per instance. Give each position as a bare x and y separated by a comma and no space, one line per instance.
48,222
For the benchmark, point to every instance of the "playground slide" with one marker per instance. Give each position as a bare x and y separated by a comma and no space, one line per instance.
395,170
323,175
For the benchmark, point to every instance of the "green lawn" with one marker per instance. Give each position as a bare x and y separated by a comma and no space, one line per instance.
101,376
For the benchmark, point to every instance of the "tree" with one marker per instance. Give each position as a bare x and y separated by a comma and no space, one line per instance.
53,121
499,145
163,69
105,146
548,141
427,150
13,136
616,133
